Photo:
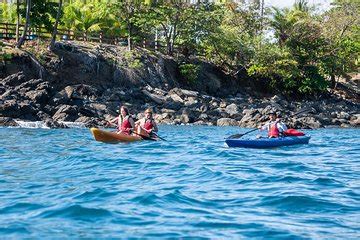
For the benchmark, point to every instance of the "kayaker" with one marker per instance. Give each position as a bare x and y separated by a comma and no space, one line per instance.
125,123
275,126
147,125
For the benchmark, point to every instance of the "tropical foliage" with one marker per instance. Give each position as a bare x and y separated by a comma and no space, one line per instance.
293,50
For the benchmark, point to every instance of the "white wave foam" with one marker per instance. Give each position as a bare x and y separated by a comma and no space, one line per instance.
41,124
36,124
74,124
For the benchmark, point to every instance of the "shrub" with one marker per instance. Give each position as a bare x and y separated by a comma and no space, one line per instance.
190,72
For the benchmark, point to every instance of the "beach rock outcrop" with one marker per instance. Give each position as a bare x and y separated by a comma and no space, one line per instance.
87,85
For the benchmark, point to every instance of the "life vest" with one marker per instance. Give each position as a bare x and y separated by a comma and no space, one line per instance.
148,125
274,131
125,124
293,132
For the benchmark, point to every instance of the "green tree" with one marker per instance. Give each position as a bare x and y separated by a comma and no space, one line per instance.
341,26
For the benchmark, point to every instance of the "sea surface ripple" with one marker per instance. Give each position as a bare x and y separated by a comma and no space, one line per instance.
63,184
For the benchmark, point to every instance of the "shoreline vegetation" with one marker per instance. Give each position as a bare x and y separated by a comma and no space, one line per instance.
221,64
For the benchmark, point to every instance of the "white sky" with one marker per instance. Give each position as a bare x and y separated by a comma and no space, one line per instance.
322,4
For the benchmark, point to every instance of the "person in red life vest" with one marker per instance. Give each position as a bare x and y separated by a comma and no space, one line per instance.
125,123
274,127
147,125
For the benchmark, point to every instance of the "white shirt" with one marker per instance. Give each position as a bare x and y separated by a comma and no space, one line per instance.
280,125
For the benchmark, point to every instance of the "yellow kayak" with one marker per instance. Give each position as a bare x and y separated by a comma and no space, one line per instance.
113,137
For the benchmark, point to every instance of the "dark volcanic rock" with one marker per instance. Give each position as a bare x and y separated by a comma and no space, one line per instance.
38,96
14,79
7,122
9,108
66,113
85,83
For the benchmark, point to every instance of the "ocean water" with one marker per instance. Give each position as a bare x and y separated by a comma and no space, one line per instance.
63,184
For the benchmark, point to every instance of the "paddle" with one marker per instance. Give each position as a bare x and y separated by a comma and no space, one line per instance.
144,137
153,133
239,135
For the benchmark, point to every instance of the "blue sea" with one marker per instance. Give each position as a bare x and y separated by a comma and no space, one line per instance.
61,183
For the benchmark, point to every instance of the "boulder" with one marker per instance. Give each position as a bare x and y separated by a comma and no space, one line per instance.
156,98
31,84
200,123
7,122
276,99
14,79
10,108
355,120
176,98
173,105
81,91
191,102
250,111
189,93
310,122
87,111
98,107
66,113
344,115
38,96
203,108
44,86
165,110
69,91
232,109
88,121
10,94
223,104
227,122
184,118
60,98
42,115
50,123
203,116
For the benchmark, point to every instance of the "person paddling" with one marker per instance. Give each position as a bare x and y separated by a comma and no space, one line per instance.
147,125
125,123
275,126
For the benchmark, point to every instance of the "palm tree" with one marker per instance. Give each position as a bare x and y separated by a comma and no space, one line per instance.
301,5
17,19
280,24
27,23
53,38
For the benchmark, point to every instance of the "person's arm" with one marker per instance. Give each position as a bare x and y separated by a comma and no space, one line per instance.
265,127
138,122
281,126
113,121
132,123
155,128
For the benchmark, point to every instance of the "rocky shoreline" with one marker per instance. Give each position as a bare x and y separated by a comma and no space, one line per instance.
43,97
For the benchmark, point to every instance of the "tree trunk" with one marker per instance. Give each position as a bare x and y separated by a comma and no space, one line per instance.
332,81
27,21
168,45
53,38
18,20
129,39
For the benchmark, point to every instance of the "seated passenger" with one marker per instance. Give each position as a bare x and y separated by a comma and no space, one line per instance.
125,123
147,125
275,126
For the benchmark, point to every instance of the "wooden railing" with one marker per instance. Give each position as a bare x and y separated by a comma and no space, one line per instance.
8,31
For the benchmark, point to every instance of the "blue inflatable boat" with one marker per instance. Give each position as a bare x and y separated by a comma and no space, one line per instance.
267,142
